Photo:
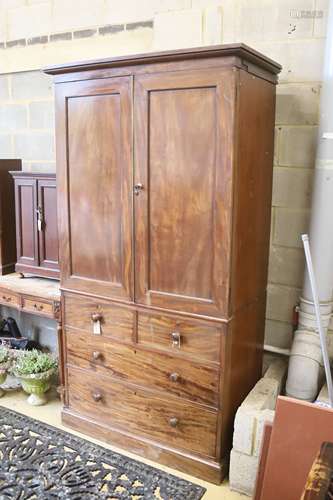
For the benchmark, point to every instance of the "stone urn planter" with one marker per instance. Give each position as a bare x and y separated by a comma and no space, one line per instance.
35,371
5,362
36,384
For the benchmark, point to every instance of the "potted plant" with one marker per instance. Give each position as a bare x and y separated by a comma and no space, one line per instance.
5,361
35,369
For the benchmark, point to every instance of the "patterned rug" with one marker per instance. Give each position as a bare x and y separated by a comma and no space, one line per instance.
40,462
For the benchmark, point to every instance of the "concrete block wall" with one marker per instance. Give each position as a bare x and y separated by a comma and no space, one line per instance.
34,33
256,409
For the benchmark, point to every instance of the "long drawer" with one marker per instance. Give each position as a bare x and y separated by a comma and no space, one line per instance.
114,321
176,424
199,339
159,371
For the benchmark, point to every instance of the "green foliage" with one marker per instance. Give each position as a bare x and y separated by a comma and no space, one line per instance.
4,355
31,362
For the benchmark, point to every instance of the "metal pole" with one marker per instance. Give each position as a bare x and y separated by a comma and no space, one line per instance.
321,331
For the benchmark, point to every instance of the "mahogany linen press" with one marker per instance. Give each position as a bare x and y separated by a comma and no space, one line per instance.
164,178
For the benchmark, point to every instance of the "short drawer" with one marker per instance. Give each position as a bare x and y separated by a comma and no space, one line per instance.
37,306
159,371
114,321
176,424
9,299
199,339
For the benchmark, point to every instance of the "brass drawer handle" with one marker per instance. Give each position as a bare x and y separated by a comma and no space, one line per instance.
174,377
97,396
7,299
97,355
173,421
96,317
39,307
175,339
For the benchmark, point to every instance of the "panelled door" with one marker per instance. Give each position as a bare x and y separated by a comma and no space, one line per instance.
94,126
183,128
48,233
26,226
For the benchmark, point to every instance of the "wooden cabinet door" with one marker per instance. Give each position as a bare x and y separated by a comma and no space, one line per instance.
26,222
48,233
184,124
94,179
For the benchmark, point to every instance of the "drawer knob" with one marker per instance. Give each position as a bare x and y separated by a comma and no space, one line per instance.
96,317
39,307
175,339
173,422
7,299
97,396
97,355
174,377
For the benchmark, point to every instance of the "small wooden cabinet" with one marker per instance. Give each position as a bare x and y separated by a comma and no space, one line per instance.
7,216
36,224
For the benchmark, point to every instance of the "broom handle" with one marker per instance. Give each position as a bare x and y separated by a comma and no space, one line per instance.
322,334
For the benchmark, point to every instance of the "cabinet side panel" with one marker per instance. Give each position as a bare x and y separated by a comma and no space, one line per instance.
253,189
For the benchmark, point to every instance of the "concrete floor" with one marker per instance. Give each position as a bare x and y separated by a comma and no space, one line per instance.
50,414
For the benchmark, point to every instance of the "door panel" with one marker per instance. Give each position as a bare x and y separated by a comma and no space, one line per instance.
48,236
183,138
26,216
95,218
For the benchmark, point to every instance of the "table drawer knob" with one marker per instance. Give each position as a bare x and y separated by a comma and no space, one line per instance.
174,377
39,307
97,355
7,299
173,421
97,396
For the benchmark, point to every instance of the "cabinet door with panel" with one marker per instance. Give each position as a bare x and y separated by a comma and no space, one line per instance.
48,235
94,168
184,126
26,222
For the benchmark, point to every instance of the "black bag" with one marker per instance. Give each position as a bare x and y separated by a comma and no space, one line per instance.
10,335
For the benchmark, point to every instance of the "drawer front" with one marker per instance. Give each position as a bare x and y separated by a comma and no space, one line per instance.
159,371
9,299
37,306
114,321
177,424
201,340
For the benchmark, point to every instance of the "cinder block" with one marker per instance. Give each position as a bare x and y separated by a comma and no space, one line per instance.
292,187
297,104
265,416
286,266
128,11
243,472
6,150
289,225
31,85
4,88
244,429
13,117
301,60
178,29
68,16
212,33
280,302
277,371
34,146
278,333
30,20
169,5
41,115
297,146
